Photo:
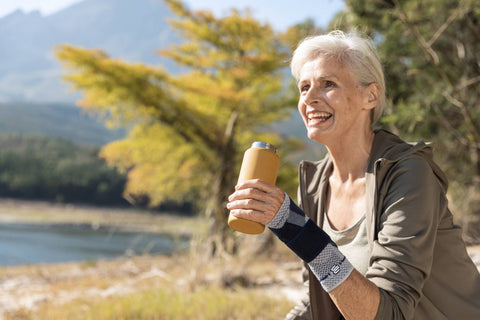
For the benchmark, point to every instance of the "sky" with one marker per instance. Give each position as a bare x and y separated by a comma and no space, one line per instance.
279,13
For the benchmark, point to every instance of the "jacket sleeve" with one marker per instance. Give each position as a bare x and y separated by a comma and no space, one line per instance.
411,201
301,311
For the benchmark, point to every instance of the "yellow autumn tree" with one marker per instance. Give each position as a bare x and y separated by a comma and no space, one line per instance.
187,132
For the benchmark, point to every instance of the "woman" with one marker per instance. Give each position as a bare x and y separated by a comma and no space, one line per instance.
374,228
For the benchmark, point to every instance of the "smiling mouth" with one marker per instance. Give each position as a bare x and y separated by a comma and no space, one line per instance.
318,116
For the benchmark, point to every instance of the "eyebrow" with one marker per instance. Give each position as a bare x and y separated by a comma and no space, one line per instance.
327,76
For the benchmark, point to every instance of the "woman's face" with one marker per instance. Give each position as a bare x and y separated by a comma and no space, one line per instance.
331,103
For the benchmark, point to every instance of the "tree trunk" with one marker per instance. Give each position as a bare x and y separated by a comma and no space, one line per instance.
471,220
475,187
221,238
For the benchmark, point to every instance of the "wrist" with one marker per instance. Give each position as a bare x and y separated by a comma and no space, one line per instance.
278,221
330,267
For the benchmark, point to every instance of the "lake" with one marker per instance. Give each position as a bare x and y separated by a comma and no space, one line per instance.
37,243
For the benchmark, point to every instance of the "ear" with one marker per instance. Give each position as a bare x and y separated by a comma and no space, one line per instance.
371,96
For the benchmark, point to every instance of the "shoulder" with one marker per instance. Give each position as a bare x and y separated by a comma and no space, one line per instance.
413,167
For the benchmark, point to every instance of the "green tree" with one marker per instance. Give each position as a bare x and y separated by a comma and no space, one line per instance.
188,131
430,50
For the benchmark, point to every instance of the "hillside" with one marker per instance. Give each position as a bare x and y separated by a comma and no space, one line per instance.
54,120
130,30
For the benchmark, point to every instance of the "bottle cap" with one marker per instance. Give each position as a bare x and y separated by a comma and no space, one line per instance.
264,145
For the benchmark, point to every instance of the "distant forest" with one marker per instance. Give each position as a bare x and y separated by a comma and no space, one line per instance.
55,169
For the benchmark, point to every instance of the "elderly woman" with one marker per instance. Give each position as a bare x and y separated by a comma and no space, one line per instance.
373,225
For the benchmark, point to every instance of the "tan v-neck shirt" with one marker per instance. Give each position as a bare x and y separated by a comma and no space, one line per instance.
352,243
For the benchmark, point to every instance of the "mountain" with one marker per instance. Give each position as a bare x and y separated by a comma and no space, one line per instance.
127,29
54,120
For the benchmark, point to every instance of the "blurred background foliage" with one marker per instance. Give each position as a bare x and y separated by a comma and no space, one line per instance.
431,56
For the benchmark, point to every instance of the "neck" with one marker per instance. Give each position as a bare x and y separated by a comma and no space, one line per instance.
350,155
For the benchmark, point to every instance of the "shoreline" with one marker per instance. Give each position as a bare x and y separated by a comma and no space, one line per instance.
95,217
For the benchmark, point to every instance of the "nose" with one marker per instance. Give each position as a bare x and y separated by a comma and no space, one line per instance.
312,97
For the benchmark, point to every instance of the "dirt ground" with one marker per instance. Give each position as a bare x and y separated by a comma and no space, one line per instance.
27,287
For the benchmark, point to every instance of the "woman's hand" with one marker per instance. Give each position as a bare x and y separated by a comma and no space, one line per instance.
255,200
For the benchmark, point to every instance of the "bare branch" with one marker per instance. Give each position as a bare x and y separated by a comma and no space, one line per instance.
442,28
474,129
453,100
420,39
450,128
469,83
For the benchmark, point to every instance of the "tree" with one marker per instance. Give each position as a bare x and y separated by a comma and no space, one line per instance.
430,51
188,131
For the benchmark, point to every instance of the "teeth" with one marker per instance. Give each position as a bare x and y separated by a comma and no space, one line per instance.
314,115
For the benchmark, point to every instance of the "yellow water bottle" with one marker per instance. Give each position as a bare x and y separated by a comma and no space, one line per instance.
259,162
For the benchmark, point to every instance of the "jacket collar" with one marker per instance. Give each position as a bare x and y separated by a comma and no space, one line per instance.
387,149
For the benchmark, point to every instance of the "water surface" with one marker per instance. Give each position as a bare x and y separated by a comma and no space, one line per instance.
37,243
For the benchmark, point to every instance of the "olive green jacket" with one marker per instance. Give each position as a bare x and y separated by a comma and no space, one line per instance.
418,259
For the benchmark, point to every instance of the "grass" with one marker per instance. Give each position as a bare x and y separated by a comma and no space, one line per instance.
162,304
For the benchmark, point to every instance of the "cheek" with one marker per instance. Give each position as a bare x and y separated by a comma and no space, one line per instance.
302,109
334,97
301,106
341,103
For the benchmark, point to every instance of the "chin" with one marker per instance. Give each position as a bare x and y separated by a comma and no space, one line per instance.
316,137
320,136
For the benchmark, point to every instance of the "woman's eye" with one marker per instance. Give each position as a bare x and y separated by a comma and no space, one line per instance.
304,88
330,84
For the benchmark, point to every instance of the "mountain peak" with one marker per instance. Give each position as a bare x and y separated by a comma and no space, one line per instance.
20,14
124,29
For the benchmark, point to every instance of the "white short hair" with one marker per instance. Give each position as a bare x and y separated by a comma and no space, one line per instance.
357,53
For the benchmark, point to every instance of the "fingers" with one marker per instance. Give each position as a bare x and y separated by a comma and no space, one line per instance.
255,200
258,190
249,193
249,204
257,184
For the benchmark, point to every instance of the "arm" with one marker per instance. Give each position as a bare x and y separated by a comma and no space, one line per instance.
402,253
354,295
412,202
349,290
